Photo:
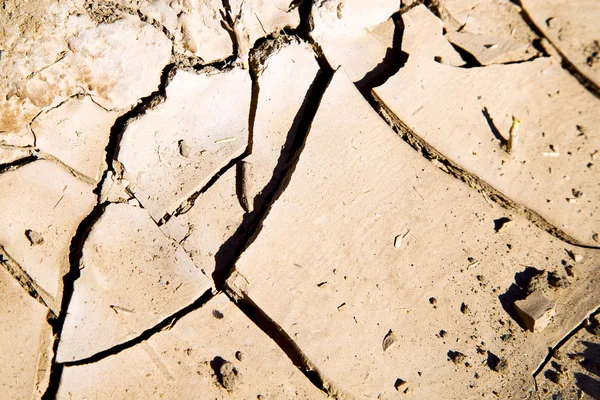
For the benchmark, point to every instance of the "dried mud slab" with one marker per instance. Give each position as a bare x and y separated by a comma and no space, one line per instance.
573,28
355,34
132,278
175,149
41,207
76,133
550,170
54,50
209,224
197,26
284,79
254,19
25,350
331,239
493,31
191,359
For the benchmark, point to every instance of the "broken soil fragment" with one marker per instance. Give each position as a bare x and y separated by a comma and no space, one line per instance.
456,357
34,237
536,311
229,376
389,340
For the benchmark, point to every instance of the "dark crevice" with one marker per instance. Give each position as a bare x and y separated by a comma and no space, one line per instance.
552,350
165,324
393,60
565,62
286,343
252,222
21,162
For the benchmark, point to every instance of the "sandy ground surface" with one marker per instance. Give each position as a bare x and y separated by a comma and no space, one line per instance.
276,199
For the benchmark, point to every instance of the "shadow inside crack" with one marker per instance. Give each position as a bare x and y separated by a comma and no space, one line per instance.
250,226
393,60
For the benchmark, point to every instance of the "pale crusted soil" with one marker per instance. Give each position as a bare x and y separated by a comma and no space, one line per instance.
276,199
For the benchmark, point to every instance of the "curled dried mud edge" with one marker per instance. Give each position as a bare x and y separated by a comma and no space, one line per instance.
432,154
552,350
283,340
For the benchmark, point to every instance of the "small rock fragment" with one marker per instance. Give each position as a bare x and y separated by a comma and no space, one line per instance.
496,363
229,375
239,355
432,300
557,281
399,382
536,311
596,238
500,223
456,357
34,237
464,308
389,340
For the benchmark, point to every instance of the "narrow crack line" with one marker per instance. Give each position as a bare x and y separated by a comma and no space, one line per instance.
26,281
190,201
450,167
286,343
588,84
165,324
552,350
41,155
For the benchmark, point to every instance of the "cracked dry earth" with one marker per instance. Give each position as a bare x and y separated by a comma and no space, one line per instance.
275,199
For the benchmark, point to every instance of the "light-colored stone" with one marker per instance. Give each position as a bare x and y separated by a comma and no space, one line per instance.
76,133
284,81
45,198
26,346
573,28
197,26
176,148
326,242
212,221
549,171
180,362
132,278
536,311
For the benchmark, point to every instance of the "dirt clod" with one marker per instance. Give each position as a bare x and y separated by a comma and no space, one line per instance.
229,376
456,357
34,237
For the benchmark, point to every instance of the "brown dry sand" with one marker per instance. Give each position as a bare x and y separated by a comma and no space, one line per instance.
299,199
